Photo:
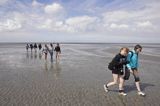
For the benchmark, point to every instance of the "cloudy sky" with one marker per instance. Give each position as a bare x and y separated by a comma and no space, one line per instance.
80,21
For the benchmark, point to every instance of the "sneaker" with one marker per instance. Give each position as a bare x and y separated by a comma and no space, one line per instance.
122,93
105,88
141,93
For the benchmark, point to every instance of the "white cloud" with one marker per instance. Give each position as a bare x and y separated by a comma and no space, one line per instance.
71,25
48,24
116,16
12,22
136,20
54,18
3,2
81,23
10,25
144,24
52,25
35,3
116,26
53,8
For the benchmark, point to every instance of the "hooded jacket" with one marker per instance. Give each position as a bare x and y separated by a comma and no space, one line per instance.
133,60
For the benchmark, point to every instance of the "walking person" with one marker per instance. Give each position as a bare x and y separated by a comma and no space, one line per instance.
58,52
35,47
27,47
39,47
133,66
50,50
45,51
40,51
31,46
117,66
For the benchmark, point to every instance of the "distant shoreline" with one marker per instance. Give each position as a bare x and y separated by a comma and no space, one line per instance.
74,43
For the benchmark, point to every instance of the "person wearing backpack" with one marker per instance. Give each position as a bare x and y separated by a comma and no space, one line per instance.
117,66
133,66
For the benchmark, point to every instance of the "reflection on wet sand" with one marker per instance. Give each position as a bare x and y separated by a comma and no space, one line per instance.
35,55
40,55
30,55
57,70
51,67
54,68
46,66
27,54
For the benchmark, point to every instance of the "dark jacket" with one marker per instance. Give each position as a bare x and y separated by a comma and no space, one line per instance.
57,49
118,62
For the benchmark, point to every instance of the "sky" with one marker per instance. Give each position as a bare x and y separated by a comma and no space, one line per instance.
106,21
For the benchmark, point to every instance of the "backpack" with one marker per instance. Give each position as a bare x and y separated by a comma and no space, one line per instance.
111,66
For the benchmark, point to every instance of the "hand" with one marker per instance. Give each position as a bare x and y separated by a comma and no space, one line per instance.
131,71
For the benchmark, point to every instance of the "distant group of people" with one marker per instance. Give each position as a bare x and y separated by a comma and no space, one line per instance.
46,49
124,63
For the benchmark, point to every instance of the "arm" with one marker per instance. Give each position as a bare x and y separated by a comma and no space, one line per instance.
129,59
117,61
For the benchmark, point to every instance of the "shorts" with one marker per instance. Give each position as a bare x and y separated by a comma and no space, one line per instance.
117,72
127,74
134,68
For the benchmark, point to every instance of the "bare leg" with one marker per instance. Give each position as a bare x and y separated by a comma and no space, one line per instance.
121,86
121,83
58,56
115,80
137,81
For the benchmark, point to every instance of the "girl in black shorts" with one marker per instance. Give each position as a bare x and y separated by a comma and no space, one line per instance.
117,66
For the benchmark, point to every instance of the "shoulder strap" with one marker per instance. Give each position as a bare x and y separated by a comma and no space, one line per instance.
131,54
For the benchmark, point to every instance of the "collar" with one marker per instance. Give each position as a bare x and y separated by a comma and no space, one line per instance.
134,52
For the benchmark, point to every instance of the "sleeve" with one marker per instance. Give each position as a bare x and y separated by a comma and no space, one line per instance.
129,59
116,60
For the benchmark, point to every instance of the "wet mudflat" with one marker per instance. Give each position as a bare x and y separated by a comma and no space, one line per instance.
26,79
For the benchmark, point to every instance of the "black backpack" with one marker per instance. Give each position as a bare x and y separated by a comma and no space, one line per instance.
111,66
